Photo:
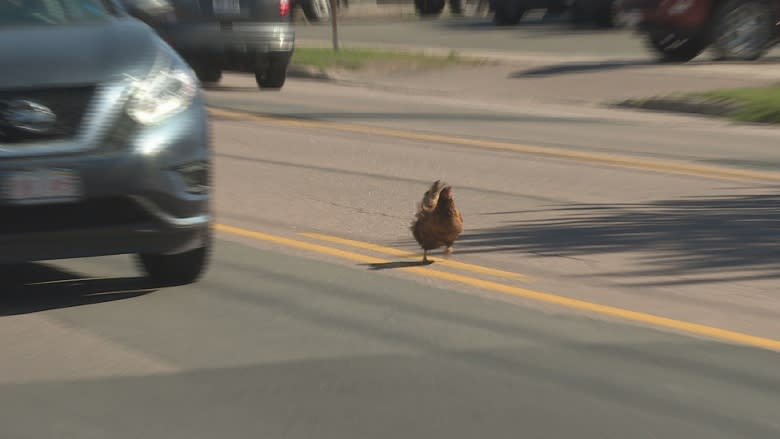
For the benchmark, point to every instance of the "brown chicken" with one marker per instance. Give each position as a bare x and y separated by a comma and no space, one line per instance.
437,222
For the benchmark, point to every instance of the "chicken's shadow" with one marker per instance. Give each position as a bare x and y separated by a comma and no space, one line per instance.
397,264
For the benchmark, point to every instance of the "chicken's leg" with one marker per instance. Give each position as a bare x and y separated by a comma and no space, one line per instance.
425,256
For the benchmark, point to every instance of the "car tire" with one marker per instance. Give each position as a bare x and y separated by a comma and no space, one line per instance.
756,17
176,269
429,8
673,48
605,14
456,7
508,13
601,13
209,75
316,10
273,77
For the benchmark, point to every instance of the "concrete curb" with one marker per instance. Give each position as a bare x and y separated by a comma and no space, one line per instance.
691,105
531,59
527,58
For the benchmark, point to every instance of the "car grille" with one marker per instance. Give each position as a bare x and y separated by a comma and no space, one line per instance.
68,104
106,212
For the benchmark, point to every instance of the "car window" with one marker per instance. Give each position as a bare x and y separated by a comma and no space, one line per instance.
51,12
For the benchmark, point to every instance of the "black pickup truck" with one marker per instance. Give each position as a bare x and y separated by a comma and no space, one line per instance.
255,36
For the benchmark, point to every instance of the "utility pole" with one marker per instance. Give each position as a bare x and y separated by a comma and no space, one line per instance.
334,13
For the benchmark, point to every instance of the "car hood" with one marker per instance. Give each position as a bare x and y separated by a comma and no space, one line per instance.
76,54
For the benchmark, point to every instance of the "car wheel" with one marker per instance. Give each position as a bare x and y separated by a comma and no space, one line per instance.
602,13
176,269
508,13
428,8
456,7
606,13
210,75
316,10
674,48
273,77
742,29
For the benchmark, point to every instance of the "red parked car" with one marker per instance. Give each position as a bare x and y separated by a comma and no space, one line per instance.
679,30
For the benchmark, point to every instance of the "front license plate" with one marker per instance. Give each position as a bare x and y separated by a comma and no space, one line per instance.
227,7
42,186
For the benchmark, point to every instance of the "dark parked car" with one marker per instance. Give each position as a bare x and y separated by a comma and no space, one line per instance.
104,141
680,30
255,36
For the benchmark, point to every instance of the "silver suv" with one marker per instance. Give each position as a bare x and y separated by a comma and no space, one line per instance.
104,141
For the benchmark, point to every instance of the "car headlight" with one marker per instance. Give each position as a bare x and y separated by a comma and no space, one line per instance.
166,91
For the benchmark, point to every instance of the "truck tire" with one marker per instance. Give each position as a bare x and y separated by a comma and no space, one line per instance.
742,29
602,13
208,75
674,48
605,13
456,7
508,13
428,8
316,10
273,76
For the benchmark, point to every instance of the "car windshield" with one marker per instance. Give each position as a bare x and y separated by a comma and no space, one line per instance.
51,12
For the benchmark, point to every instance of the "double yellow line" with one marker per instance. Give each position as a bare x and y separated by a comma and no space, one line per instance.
617,160
494,286
681,168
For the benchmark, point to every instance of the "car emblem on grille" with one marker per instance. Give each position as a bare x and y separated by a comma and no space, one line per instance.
29,116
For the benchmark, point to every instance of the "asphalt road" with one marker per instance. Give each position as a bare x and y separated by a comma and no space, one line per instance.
269,345
683,227
617,278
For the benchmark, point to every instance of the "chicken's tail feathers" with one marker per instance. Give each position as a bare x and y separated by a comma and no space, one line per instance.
437,186
431,197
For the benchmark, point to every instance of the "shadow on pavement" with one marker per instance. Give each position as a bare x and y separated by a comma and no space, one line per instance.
580,67
29,288
432,116
718,239
397,264
226,88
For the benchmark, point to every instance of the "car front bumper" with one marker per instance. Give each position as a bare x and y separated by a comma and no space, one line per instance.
103,241
138,193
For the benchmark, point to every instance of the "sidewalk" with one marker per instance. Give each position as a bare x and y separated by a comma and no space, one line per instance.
559,81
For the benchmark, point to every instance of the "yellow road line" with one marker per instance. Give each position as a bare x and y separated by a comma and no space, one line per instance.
404,254
709,171
298,244
635,316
